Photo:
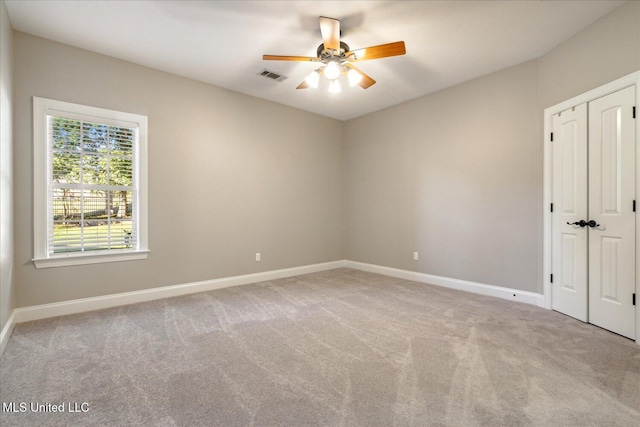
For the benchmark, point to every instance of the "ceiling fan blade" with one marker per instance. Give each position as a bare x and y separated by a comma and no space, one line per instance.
330,29
288,58
366,80
376,52
303,85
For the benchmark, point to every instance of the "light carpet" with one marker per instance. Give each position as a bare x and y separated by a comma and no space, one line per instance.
335,348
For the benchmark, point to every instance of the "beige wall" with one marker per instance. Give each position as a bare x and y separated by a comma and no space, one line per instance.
453,176
229,176
6,169
457,175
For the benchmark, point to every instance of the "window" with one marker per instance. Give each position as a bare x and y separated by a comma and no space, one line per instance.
90,184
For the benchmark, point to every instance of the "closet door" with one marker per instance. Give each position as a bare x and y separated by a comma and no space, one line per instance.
569,240
611,198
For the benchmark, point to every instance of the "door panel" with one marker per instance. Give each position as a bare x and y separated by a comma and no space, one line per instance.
569,242
611,195
569,281
610,260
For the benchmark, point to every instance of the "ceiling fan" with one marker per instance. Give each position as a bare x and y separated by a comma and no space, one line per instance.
337,58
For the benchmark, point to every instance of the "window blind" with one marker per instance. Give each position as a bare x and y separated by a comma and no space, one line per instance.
92,190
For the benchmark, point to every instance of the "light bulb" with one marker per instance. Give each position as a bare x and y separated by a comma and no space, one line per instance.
334,86
354,77
332,71
312,79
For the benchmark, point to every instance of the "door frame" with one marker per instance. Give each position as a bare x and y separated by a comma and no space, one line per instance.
632,79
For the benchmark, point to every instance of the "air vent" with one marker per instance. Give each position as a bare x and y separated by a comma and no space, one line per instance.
271,75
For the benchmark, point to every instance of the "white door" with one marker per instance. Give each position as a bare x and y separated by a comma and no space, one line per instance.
569,242
611,206
593,220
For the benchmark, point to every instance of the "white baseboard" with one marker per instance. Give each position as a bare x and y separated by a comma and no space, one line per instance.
44,311
462,285
6,331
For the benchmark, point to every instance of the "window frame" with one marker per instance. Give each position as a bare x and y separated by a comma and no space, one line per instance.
43,107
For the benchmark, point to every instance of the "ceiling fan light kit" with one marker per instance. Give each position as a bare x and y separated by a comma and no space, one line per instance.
313,79
334,86
354,77
338,58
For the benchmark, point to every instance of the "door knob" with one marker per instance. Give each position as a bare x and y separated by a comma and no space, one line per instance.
593,224
581,223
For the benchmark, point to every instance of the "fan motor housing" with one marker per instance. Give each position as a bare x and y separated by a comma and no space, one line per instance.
325,53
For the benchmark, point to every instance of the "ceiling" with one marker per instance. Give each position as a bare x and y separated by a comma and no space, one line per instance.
222,42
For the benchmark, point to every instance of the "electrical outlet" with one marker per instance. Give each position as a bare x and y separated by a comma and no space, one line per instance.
257,256
415,256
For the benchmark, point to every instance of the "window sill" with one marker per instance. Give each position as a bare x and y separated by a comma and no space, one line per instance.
89,258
